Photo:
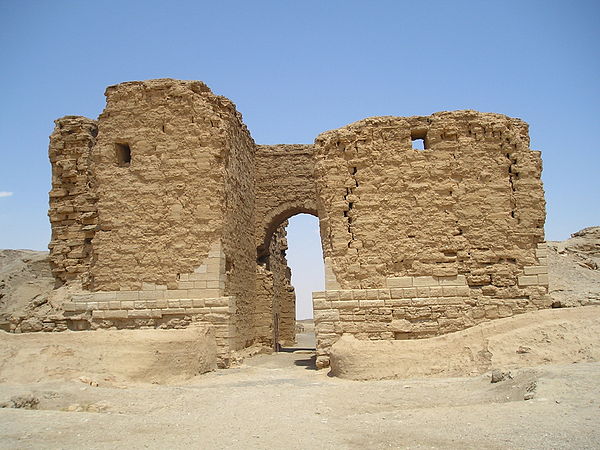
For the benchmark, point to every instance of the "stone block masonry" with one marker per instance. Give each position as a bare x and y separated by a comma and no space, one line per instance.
415,307
164,212
125,309
73,214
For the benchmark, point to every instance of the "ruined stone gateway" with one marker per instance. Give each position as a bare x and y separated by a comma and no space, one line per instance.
165,212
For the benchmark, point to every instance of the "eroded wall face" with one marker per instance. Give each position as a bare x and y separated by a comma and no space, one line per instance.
73,211
424,242
275,303
238,237
285,186
284,297
471,203
159,212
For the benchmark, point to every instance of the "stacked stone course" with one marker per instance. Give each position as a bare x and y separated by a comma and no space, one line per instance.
72,212
418,307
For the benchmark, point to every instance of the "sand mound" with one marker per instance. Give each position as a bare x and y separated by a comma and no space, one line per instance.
106,357
26,285
553,336
574,268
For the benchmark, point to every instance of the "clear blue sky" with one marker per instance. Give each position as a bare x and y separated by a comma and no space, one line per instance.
297,68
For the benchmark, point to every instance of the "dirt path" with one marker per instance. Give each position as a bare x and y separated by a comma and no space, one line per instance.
279,401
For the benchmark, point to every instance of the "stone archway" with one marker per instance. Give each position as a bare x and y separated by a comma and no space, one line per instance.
274,280
285,187
275,218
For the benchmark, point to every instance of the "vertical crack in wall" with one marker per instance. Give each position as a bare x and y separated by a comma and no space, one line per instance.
348,197
512,174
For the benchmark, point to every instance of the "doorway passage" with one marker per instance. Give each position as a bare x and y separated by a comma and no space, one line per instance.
304,257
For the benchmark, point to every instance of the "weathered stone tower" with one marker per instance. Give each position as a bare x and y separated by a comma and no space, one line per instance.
164,212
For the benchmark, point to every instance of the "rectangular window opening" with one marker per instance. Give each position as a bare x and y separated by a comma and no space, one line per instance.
419,139
123,152
418,144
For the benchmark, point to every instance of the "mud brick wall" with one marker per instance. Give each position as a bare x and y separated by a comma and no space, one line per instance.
73,212
167,198
262,317
159,212
285,186
237,156
471,203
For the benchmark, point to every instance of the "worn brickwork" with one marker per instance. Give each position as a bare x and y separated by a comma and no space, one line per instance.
167,213
285,186
238,242
126,310
471,203
160,212
72,212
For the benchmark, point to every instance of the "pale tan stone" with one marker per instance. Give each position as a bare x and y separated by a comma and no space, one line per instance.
105,296
528,280
425,281
321,304
186,285
535,270
151,295
399,282
127,295
458,280
115,314
345,304
175,294
371,303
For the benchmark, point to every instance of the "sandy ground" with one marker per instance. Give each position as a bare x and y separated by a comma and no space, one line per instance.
90,391
280,401
574,268
108,357
551,336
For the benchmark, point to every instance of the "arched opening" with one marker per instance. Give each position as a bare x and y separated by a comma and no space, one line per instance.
305,259
291,267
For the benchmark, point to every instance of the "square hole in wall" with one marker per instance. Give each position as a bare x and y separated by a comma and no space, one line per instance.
419,139
123,153
418,144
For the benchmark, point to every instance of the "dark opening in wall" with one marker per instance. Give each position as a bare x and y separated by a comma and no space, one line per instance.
419,139
123,153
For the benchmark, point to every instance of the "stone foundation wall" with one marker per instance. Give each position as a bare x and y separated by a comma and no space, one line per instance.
420,307
129,309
